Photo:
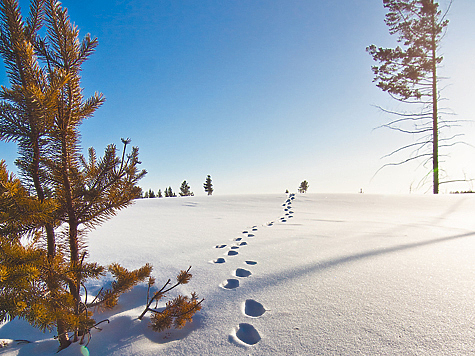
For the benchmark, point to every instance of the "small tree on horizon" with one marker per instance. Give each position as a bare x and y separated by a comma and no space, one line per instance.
185,190
208,186
169,193
159,194
303,187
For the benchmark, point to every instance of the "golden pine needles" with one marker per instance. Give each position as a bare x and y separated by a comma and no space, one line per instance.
42,264
177,311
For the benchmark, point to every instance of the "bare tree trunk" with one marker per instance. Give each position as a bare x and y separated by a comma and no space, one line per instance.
435,127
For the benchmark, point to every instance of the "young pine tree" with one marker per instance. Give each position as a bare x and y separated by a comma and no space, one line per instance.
169,193
208,186
185,190
61,193
303,187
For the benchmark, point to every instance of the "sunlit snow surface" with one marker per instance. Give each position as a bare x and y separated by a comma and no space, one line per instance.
323,275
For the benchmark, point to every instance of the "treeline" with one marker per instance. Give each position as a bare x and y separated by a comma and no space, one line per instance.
185,190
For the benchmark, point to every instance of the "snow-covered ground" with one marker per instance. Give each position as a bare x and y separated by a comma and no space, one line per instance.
323,275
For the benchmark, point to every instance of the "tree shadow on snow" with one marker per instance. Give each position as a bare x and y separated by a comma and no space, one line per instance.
320,266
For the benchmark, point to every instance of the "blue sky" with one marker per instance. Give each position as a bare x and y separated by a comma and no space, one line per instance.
259,94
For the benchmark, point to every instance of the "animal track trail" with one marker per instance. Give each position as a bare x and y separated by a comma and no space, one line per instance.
245,333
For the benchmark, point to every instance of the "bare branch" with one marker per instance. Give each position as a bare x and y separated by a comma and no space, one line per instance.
402,162
422,114
456,181
407,131
406,147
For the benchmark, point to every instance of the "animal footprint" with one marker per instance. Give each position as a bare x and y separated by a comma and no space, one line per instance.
220,246
232,253
241,272
247,334
243,243
234,247
253,309
252,263
245,232
231,283
219,260
250,235
238,239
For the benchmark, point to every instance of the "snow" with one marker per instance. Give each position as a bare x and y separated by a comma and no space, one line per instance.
339,275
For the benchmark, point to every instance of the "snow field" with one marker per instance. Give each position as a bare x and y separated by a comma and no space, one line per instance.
316,275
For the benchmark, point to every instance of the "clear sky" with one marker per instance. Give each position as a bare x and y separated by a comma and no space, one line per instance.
259,94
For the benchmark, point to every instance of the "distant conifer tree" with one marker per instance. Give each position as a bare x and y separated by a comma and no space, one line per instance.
208,186
169,192
151,193
159,194
185,190
303,187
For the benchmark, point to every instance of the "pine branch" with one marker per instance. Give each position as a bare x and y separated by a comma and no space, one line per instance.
182,278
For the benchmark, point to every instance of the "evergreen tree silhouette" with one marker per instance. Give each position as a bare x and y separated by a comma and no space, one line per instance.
185,190
303,187
208,186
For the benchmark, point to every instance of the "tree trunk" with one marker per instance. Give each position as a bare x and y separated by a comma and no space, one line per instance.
73,227
63,337
435,127
35,174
